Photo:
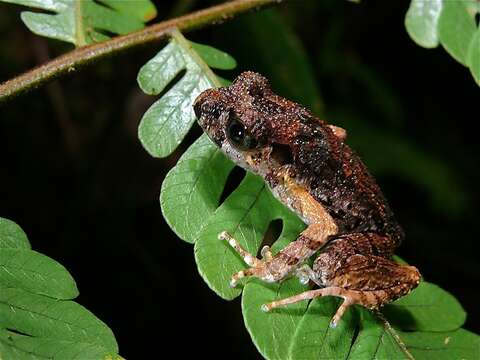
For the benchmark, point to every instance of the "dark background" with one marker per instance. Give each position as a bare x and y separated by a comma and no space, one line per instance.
75,177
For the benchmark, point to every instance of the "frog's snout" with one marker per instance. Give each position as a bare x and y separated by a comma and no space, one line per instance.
207,105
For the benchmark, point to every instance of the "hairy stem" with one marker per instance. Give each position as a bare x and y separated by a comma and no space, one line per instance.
82,56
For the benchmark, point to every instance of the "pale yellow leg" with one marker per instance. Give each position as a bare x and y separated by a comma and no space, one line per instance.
348,296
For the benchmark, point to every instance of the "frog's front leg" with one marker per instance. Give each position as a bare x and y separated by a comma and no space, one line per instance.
275,268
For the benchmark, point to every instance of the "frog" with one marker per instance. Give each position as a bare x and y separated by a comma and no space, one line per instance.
351,232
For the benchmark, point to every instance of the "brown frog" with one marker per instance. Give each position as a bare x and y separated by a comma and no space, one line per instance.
309,168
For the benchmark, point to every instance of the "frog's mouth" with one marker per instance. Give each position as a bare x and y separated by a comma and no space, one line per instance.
261,161
251,160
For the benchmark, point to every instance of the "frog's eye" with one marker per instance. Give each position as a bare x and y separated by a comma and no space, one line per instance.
239,137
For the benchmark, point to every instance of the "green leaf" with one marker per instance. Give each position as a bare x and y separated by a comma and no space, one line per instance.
47,318
191,190
214,58
315,339
245,217
473,57
83,22
376,341
452,23
142,10
272,332
14,346
456,28
421,22
12,236
37,273
168,120
427,308
37,320
458,344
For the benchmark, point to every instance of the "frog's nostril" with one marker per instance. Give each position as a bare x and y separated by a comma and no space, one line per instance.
197,107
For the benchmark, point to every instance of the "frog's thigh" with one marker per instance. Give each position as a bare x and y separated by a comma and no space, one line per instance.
354,264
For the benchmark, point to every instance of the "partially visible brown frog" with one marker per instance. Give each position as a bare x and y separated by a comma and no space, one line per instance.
310,169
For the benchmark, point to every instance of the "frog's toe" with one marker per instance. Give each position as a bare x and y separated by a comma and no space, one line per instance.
237,277
247,257
241,274
266,253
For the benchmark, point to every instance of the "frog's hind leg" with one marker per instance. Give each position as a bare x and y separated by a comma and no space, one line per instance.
349,298
354,268
372,299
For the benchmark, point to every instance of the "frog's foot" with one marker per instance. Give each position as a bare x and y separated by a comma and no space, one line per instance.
369,299
269,268
258,267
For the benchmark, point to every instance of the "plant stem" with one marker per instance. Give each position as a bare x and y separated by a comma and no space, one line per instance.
82,56
389,329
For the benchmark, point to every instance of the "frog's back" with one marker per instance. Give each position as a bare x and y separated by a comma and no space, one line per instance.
338,179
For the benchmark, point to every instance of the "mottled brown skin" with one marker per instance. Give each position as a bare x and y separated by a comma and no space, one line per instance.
310,169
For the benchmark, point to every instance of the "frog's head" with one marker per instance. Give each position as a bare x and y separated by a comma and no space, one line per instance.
243,121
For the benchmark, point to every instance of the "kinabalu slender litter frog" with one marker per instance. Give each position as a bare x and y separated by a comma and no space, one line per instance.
311,170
